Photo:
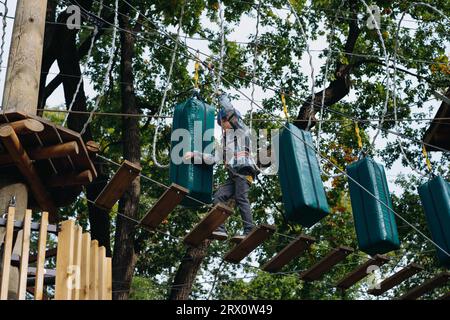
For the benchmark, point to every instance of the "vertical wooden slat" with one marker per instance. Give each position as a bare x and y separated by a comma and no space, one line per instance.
108,279
93,277
7,253
64,261
77,263
40,262
23,271
85,266
102,273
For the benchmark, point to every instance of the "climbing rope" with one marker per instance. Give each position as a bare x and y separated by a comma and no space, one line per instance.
255,62
94,35
108,68
166,89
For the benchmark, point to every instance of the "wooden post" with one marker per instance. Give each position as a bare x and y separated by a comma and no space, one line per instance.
64,261
21,89
93,286
23,273
42,243
85,266
77,262
102,274
7,251
108,278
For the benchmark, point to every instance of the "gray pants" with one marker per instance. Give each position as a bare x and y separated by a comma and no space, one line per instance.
237,187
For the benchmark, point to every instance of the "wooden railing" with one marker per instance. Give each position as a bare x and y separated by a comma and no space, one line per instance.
83,272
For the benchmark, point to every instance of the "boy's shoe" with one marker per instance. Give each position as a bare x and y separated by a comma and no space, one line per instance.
219,235
238,239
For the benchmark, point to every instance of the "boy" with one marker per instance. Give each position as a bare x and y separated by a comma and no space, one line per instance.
238,162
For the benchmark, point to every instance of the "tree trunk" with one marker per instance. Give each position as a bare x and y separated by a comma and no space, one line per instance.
60,46
187,271
124,258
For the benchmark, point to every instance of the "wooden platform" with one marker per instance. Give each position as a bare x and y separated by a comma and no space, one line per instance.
361,272
42,153
396,279
290,252
218,214
171,198
439,280
246,246
324,265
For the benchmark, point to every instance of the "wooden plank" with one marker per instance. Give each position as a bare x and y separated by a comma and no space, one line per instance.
50,253
326,264
85,266
119,183
218,214
25,166
77,263
361,272
396,279
40,262
164,206
249,243
7,251
102,276
23,269
437,281
290,252
35,226
108,278
56,151
93,277
64,261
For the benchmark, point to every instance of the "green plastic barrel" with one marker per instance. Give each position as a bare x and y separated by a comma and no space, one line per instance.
196,117
435,197
375,224
304,196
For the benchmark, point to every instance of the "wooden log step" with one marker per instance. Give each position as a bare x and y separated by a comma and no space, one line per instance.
164,206
396,279
25,166
70,179
218,214
18,225
438,281
361,272
290,252
324,265
253,240
119,183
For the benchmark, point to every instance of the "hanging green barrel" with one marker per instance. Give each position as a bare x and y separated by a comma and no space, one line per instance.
375,224
304,196
196,117
435,197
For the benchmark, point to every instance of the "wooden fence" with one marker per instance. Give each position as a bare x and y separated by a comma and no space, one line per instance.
83,272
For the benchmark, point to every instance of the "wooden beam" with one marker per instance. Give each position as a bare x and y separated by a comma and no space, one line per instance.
71,179
41,255
35,226
208,224
50,253
164,206
25,252
438,281
119,183
25,166
7,251
68,149
290,252
249,243
396,279
27,126
326,264
361,272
